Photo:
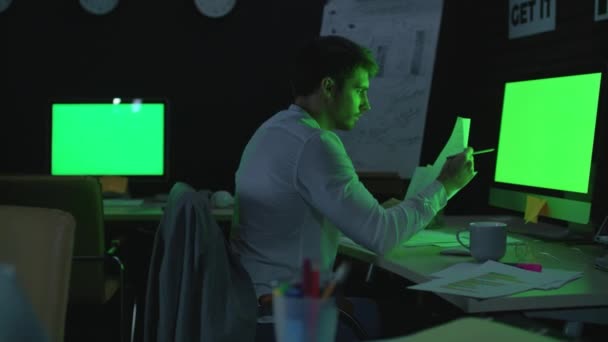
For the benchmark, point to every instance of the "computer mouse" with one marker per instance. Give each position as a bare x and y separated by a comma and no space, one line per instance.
455,251
222,199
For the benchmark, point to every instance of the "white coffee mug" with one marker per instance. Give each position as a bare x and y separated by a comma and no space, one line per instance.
487,240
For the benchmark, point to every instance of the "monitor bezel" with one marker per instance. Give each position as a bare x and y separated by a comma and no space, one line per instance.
570,218
109,100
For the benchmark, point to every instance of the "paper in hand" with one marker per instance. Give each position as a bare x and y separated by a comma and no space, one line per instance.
424,175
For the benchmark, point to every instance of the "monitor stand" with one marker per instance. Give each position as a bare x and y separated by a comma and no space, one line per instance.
541,230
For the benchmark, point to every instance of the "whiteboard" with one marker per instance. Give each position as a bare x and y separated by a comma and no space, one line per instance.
403,36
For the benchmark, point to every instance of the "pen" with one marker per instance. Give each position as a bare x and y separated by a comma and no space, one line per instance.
487,150
293,292
339,276
307,277
280,289
314,282
527,267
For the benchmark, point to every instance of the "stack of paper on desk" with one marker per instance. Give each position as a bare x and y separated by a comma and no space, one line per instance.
494,279
429,238
549,278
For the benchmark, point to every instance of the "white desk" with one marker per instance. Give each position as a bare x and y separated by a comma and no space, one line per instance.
586,297
472,329
152,213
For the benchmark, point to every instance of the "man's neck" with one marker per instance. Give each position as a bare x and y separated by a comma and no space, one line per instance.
312,105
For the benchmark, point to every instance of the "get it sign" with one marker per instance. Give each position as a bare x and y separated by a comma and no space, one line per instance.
528,17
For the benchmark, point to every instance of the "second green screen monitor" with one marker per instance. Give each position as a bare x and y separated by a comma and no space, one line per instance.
101,139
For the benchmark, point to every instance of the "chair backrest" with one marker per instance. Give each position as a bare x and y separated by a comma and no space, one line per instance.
197,289
81,197
38,243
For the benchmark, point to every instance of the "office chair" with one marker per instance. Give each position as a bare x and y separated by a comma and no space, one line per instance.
197,289
18,321
90,284
37,244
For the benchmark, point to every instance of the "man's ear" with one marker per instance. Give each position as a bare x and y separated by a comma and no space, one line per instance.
327,87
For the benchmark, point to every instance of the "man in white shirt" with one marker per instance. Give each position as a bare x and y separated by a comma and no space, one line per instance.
296,188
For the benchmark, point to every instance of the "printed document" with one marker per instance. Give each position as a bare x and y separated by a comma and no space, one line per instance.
493,279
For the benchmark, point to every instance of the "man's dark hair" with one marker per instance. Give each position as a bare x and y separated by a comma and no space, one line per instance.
328,56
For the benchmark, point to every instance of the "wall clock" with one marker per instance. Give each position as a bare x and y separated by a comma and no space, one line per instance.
4,5
214,8
98,7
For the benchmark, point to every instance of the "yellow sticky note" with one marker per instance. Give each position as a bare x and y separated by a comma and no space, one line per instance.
534,206
113,184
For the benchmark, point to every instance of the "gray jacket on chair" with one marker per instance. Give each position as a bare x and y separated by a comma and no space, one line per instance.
197,289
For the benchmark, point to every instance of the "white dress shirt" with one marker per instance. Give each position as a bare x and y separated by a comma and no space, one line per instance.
296,190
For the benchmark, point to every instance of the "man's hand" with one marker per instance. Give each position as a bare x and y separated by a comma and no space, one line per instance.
457,171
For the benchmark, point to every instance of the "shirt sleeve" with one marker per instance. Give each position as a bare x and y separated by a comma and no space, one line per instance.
327,180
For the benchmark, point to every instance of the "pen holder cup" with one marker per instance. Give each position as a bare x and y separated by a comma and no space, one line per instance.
304,319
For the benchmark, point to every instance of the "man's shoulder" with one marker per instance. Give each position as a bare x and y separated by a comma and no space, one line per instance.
293,123
324,136
281,118
326,140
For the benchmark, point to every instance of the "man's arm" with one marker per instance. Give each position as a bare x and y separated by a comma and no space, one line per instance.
327,180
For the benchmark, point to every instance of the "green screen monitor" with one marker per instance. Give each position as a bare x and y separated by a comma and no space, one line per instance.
110,138
545,145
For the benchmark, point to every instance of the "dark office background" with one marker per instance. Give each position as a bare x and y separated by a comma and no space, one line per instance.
223,77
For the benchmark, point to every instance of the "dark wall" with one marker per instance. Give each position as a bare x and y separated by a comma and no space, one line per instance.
223,77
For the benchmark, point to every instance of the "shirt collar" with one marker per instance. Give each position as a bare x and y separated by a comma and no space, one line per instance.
307,119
